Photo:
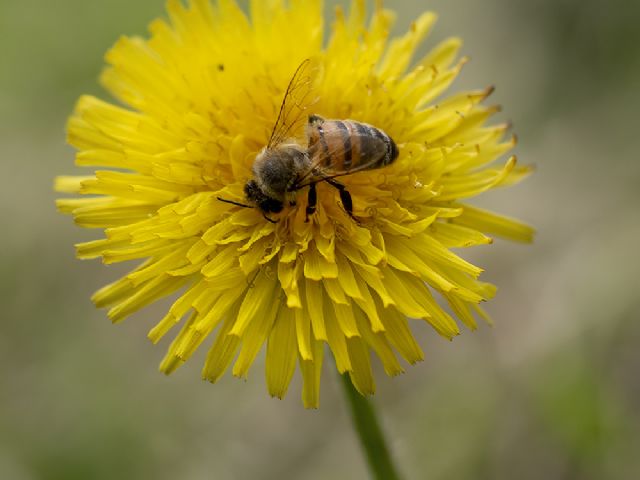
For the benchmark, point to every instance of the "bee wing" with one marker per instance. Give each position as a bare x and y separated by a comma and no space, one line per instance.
297,100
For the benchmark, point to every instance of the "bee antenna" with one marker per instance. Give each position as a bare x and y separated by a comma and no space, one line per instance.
235,203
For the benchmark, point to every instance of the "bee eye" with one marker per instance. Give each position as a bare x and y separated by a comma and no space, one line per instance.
271,205
394,150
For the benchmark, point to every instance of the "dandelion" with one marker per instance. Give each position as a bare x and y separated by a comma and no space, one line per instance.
197,103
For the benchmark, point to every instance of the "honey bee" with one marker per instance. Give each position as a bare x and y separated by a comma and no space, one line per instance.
334,148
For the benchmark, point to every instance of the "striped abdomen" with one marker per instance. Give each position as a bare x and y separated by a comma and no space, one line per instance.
348,146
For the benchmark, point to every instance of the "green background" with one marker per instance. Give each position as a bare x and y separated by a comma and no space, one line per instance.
551,392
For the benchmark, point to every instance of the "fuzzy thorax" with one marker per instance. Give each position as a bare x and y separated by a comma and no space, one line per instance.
276,170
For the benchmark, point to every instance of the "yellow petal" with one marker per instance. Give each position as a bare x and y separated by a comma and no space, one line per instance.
401,49
378,342
148,293
451,236
311,376
222,352
336,339
402,296
438,318
399,334
255,336
177,311
426,246
70,183
367,304
171,362
461,309
346,320
334,291
361,374
303,334
469,185
256,304
495,224
282,351
314,305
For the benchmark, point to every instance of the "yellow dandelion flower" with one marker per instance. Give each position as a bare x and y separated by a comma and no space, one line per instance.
198,103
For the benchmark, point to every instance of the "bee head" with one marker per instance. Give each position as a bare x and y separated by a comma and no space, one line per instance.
265,203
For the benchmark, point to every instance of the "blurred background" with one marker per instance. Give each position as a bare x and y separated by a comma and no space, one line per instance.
552,391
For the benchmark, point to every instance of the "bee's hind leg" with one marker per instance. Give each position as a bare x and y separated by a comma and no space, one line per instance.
345,197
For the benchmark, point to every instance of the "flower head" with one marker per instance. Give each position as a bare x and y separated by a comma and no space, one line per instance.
199,100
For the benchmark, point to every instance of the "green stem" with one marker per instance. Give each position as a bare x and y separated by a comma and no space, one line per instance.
369,433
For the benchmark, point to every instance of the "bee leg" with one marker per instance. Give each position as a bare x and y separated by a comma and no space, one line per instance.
312,200
345,197
268,219
347,203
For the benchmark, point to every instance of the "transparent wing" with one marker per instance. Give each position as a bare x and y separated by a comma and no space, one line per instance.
297,100
324,166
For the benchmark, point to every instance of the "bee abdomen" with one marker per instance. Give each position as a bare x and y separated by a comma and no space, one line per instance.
347,145
371,150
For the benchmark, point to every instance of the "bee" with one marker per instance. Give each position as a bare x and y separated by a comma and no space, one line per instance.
334,148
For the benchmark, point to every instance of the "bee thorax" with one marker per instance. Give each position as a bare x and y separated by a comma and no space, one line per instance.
276,170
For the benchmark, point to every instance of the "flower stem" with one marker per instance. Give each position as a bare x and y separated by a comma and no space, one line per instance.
369,433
